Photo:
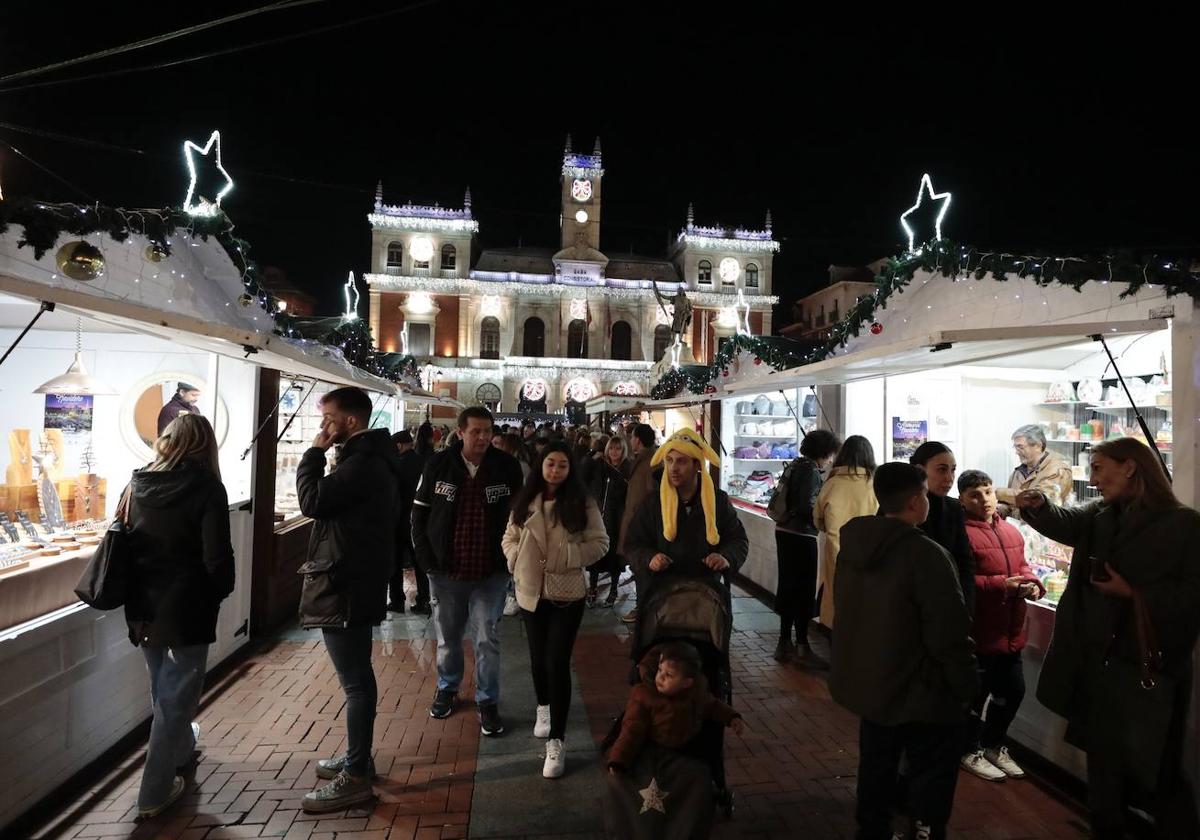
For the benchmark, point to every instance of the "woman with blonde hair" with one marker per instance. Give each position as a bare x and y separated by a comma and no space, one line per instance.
1119,666
178,515
845,494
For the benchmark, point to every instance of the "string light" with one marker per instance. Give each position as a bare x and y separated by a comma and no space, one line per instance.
926,186
204,207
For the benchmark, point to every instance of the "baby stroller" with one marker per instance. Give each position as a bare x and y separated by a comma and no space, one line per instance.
697,610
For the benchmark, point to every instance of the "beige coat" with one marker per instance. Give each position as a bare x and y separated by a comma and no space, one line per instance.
641,485
546,560
1053,477
844,496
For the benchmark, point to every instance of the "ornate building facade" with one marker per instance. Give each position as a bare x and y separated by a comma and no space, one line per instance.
546,329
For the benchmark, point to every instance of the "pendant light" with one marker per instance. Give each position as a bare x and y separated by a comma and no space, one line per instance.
77,381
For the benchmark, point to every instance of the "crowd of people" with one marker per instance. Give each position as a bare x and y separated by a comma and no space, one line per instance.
923,594
930,593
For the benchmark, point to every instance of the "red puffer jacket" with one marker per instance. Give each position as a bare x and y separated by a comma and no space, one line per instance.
999,551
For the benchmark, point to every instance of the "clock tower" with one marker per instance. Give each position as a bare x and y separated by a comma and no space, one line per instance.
581,177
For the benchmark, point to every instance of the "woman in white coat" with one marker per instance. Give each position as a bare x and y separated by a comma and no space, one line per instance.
554,533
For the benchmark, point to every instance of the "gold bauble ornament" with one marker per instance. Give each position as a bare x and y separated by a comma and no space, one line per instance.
155,252
246,299
80,260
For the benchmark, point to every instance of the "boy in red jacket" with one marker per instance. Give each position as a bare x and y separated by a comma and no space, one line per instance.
1003,580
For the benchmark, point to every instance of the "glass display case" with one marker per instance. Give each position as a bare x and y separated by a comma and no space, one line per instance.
299,422
760,434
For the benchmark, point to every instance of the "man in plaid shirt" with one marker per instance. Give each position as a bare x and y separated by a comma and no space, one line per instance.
459,516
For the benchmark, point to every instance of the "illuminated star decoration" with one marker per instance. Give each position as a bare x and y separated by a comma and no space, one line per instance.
351,313
652,798
926,186
743,324
203,206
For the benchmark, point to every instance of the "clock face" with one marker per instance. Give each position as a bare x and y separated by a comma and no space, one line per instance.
581,217
581,190
729,270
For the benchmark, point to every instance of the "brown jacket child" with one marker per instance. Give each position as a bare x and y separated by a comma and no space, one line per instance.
668,706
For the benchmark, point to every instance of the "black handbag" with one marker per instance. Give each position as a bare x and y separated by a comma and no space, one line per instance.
106,580
1141,702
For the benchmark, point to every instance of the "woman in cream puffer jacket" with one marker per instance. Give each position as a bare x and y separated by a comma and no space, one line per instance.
554,533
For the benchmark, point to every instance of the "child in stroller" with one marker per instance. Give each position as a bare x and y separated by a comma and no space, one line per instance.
669,705
668,746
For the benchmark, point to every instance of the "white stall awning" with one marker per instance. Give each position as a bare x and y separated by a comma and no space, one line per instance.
1049,346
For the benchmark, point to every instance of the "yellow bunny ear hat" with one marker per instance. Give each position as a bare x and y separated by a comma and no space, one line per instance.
691,444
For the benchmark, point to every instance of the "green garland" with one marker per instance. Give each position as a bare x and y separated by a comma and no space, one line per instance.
1176,275
44,223
778,352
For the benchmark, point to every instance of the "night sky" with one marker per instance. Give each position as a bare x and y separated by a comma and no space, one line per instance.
1071,137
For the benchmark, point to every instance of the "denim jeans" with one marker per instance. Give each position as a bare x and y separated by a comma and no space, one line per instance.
350,651
477,605
176,682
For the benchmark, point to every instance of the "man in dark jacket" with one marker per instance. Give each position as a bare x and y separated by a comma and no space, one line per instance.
411,466
350,557
902,656
687,527
185,401
459,517
641,485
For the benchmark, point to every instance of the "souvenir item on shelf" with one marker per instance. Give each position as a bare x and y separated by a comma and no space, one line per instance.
1056,584
780,450
780,407
750,429
1060,392
746,452
50,550
762,405
764,449
1090,390
1085,430
744,407
20,468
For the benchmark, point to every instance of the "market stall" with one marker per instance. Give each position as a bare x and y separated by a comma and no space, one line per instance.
130,324
968,362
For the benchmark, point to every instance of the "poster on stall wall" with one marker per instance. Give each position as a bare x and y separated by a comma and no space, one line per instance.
70,414
907,435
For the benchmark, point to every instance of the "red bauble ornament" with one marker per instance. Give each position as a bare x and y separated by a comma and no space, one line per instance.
711,389
757,360
725,372
876,328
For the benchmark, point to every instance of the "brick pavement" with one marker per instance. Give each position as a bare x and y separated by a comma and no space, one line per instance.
792,772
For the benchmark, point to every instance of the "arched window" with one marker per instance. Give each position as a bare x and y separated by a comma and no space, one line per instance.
535,337
488,396
662,340
449,257
489,338
751,276
395,257
622,341
704,271
577,339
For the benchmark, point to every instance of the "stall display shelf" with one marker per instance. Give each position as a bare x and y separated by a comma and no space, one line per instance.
1057,403
768,416
1120,410
766,437
766,460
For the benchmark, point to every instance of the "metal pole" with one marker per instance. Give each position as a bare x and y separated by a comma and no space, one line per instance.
1136,411
46,306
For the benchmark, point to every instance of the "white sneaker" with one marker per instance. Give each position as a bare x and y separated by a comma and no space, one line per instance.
511,607
1002,760
556,759
541,729
978,764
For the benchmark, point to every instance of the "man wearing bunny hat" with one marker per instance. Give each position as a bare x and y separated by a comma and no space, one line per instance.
690,528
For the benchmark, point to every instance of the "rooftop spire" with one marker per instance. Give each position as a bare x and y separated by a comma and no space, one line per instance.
691,214
770,225
567,147
596,150
379,195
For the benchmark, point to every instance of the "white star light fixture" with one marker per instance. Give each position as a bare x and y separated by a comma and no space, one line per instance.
350,293
926,187
203,205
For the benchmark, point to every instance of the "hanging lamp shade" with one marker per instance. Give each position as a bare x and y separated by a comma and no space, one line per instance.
77,381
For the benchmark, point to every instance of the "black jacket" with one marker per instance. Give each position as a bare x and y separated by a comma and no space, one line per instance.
180,535
435,508
173,409
903,651
947,526
804,485
350,552
412,464
608,486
